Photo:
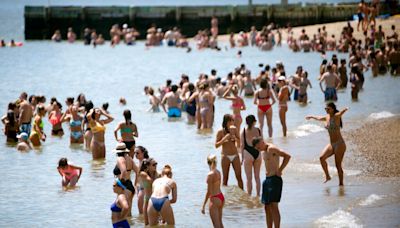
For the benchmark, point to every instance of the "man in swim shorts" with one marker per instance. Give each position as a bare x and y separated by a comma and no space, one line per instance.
272,185
173,101
25,114
332,83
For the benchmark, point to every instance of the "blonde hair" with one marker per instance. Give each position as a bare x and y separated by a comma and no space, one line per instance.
212,159
167,171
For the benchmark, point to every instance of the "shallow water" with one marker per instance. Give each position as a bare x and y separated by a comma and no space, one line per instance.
30,186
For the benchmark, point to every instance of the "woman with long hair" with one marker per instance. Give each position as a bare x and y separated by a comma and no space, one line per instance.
37,133
214,193
141,154
97,126
55,116
237,104
228,137
262,99
148,173
128,131
337,146
75,123
88,135
251,156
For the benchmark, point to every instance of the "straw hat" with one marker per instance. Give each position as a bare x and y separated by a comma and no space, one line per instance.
120,148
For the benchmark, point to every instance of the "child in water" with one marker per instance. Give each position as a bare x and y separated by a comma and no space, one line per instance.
70,174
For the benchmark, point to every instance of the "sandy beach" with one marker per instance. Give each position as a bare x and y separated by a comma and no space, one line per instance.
376,147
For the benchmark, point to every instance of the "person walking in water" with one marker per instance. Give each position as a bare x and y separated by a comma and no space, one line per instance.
262,100
272,185
237,104
214,193
337,146
70,174
228,137
173,101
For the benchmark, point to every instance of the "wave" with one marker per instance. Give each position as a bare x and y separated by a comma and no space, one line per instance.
339,219
306,129
316,168
371,199
381,115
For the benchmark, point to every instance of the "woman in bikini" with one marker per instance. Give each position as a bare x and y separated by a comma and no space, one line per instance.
237,104
122,171
159,203
120,207
85,125
262,100
251,156
228,137
283,97
206,101
141,154
191,107
70,174
37,133
214,193
55,119
337,146
75,122
148,173
128,132
98,129
248,85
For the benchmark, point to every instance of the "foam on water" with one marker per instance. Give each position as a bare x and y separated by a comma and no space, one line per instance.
306,129
316,168
381,115
371,199
339,219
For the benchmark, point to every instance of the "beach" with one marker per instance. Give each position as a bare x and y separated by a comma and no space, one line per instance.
377,143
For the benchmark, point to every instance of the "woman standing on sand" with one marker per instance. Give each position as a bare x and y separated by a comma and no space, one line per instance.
337,146
214,193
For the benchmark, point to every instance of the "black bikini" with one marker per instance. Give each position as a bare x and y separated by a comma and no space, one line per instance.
253,151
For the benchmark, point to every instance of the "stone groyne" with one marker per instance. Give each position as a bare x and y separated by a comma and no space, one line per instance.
42,21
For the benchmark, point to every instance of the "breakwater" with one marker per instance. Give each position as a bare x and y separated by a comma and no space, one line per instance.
42,21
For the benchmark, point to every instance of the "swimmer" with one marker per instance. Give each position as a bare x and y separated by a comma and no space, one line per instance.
251,156
173,101
128,131
262,99
11,126
141,153
75,122
25,114
55,119
160,204
70,174
23,144
283,97
85,125
120,207
337,146
153,100
147,174
272,185
122,101
191,106
214,193
332,83
238,104
98,129
229,139
37,133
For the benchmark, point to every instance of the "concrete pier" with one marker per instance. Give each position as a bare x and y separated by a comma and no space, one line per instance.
42,21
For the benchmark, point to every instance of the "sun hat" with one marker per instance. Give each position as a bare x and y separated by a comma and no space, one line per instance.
23,136
120,148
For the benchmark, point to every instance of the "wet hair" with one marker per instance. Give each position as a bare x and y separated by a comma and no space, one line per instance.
227,118
151,91
146,163
324,62
11,106
144,151
31,97
40,108
94,113
89,105
174,88
256,140
167,171
24,95
212,159
169,81
267,67
343,61
333,106
213,71
11,117
128,116
70,100
250,119
191,87
264,84
79,99
59,105
184,76
52,100
105,106
218,80
62,162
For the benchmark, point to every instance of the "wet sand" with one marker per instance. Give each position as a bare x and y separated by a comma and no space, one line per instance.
376,147
334,28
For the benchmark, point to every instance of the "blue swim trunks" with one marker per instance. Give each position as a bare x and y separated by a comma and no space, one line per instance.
271,190
25,127
174,112
121,224
330,94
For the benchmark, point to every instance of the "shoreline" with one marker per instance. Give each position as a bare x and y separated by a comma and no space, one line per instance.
375,147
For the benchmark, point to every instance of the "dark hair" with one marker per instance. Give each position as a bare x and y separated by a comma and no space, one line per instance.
213,71
264,84
59,105
70,100
333,106
31,97
79,99
324,62
144,150
169,82
11,106
250,119
105,106
94,113
256,140
174,88
24,95
89,105
145,164
227,118
62,162
128,116
267,67
191,87
11,117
